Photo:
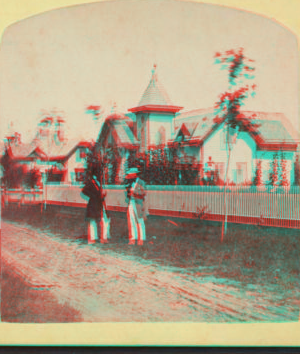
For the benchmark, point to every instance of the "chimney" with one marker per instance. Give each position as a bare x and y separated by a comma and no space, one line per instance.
59,130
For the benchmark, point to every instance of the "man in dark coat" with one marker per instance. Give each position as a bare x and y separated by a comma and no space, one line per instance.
94,211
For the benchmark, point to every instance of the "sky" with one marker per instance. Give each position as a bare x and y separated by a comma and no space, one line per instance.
101,53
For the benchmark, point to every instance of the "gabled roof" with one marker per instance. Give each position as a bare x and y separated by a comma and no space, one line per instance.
65,150
121,128
273,127
53,149
22,151
40,150
273,131
186,130
123,134
269,131
155,97
198,122
37,152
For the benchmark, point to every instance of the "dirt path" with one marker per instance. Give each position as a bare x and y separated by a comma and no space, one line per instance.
101,285
22,303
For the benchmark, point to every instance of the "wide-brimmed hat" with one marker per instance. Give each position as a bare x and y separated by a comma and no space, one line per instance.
132,172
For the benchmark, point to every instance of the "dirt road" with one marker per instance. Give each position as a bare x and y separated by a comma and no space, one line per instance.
96,285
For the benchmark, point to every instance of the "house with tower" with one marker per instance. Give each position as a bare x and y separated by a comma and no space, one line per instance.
154,115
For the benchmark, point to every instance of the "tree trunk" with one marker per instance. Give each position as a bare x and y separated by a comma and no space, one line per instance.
45,189
224,224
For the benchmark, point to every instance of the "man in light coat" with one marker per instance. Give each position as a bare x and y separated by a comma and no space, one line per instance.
137,210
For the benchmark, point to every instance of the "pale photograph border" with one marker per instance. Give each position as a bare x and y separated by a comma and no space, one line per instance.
281,334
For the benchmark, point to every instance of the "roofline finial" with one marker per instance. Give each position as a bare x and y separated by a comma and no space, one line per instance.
154,69
114,107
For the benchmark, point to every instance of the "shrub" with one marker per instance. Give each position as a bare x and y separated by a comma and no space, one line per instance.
258,174
297,171
33,179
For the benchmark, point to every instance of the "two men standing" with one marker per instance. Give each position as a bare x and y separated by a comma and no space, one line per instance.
96,214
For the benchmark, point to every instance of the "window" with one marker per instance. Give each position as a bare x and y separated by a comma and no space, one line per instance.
220,170
82,153
79,174
161,136
241,172
55,175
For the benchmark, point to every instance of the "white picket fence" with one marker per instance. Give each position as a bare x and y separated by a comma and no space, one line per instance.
243,204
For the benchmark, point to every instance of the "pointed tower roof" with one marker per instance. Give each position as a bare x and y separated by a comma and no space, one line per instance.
155,97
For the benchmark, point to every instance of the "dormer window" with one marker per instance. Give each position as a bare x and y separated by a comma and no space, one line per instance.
82,153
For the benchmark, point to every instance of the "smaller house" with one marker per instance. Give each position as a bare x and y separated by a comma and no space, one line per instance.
72,158
65,163
62,163
57,159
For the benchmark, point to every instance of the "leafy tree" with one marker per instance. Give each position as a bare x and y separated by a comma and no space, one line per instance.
18,173
297,171
13,173
217,179
160,166
169,168
33,178
274,178
94,163
228,107
284,174
115,163
7,163
258,174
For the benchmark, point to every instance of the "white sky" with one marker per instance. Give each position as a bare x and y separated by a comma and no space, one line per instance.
104,52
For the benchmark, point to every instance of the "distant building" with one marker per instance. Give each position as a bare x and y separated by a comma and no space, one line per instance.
58,159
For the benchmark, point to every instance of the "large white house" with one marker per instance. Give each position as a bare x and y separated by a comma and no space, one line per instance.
202,136
199,136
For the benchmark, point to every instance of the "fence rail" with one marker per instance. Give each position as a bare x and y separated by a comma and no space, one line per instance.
22,196
243,204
